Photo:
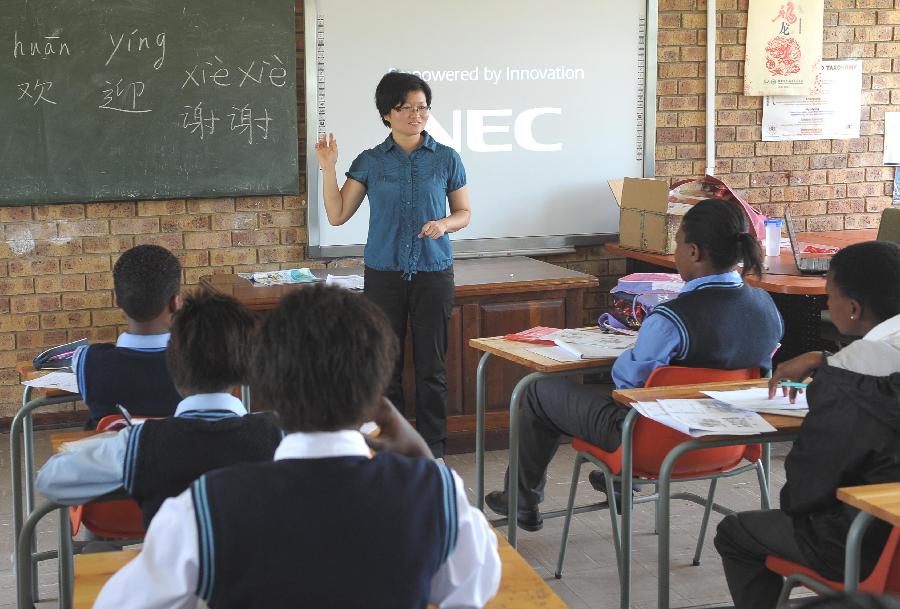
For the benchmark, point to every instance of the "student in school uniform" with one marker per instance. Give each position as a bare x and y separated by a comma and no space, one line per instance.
850,437
716,322
409,179
207,356
132,373
325,524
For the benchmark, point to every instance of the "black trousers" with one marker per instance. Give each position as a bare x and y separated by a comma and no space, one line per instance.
551,410
426,302
744,540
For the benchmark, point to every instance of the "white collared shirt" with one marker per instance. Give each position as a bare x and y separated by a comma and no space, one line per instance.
76,476
164,574
875,354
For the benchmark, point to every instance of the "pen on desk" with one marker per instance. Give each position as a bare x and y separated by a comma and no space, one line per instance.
793,385
125,415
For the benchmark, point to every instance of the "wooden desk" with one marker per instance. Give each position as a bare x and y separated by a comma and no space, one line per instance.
59,438
874,501
539,367
520,586
494,296
787,429
800,298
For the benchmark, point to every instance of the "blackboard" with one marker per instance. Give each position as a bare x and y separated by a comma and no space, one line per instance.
146,99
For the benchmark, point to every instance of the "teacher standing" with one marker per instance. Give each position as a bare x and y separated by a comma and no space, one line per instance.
409,179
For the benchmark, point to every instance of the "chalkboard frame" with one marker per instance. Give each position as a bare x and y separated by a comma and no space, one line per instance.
466,248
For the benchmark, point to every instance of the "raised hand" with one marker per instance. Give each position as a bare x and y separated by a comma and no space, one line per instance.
327,151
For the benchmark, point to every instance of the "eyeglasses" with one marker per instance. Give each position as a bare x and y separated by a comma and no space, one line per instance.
412,110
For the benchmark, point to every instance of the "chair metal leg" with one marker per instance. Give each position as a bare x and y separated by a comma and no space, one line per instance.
764,499
576,472
706,510
656,510
614,515
480,391
64,556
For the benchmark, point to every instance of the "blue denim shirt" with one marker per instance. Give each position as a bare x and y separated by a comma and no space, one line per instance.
405,192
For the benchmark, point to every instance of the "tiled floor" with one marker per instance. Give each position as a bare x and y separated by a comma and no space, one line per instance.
589,579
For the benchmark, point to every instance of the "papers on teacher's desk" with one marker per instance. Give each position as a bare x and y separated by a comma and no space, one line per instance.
705,417
349,282
64,381
757,400
576,345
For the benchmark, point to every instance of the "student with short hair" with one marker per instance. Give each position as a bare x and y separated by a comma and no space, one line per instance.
208,355
716,322
147,281
325,524
850,437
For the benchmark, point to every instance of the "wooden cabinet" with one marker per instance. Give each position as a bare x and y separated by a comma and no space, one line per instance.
494,296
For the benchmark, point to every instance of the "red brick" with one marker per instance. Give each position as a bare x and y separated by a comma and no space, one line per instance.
857,18
735,149
33,266
170,241
748,134
98,281
886,81
107,245
197,241
874,174
87,300
812,147
257,203
865,189
193,258
790,193
280,219
769,179
229,256
877,204
861,220
726,102
173,224
58,212
668,54
790,163
236,221
694,86
828,191
108,317
84,264
29,231
121,209
71,319
736,117
134,226
773,148
856,50
686,102
864,159
34,303
874,65
755,196
678,38
752,164
17,285
297,202
846,206
16,214
58,248
210,206
690,151
83,228
281,253
290,236
697,54
891,17
823,223
676,135
828,161
19,323
244,238
817,176
665,152
161,208
724,134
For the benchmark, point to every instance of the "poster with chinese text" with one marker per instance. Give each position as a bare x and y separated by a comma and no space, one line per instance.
784,45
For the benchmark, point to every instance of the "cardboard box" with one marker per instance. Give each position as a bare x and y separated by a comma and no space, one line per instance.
648,221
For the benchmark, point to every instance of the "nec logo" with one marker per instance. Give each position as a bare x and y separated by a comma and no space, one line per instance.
479,123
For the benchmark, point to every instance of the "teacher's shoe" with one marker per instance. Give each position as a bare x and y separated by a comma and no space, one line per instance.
598,481
529,519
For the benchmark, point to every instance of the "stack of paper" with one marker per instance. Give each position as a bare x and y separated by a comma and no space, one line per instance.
757,400
64,381
349,282
704,417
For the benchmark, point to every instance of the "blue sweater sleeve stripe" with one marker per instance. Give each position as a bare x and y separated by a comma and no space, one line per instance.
450,515
206,578
131,451
679,325
79,358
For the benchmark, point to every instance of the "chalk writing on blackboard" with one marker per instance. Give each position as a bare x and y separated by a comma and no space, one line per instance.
135,43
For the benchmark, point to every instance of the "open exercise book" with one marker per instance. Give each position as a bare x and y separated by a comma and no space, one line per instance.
576,345
705,417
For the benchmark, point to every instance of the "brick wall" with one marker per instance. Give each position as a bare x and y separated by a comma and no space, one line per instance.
831,184
55,260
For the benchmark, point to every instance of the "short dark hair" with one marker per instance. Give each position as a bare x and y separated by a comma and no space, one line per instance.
869,272
145,278
211,343
720,229
323,358
392,90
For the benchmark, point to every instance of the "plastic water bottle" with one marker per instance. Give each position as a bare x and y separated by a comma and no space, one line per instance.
773,236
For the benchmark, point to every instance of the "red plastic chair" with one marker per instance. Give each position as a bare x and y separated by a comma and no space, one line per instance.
884,578
652,441
120,519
